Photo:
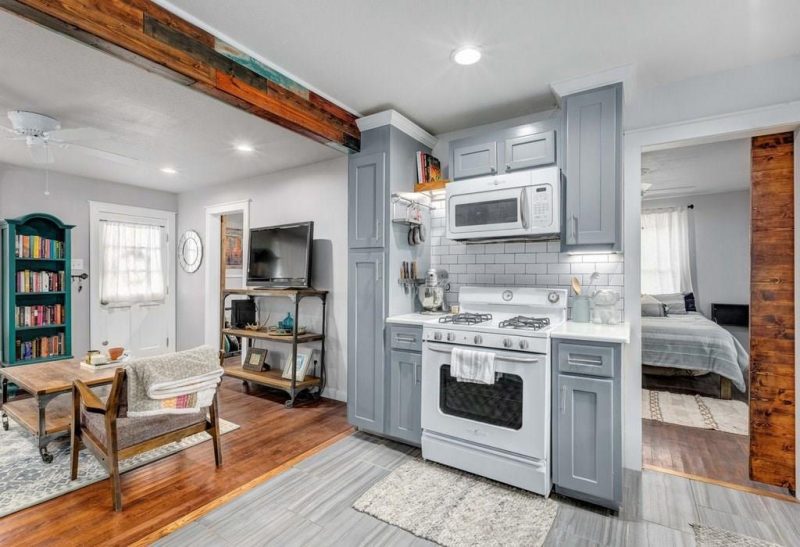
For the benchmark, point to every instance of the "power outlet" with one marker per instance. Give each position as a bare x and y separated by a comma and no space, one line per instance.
76,264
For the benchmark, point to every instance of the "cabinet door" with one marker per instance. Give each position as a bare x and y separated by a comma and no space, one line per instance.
367,200
474,160
585,435
530,151
405,377
592,166
365,357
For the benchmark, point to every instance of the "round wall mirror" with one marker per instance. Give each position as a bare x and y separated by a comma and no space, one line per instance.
190,251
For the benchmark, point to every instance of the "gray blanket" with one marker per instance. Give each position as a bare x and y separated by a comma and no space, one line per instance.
175,383
693,342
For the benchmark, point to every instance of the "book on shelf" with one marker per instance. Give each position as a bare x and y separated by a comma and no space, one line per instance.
32,281
40,316
38,247
428,168
43,346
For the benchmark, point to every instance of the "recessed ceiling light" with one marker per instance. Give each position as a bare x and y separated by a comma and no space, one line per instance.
169,170
244,147
466,55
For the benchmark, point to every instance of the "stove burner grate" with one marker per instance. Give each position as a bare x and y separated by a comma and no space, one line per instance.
526,323
466,318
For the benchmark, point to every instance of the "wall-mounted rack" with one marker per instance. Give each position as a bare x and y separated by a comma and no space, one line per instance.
407,208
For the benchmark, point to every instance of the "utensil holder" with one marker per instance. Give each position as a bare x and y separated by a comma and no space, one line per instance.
581,309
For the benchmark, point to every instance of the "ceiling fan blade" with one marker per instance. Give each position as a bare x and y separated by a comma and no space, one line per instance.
78,134
104,154
8,129
41,153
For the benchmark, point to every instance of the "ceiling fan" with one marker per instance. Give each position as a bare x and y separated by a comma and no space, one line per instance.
41,133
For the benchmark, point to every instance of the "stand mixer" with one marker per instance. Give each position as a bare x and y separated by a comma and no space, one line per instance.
432,293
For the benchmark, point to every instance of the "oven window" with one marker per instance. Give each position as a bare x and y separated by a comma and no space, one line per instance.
498,404
483,213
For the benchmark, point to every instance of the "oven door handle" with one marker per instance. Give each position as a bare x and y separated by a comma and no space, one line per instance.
440,348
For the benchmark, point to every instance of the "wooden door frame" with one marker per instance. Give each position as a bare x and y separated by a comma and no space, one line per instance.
748,123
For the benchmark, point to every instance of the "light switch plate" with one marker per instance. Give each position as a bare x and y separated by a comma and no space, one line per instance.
76,264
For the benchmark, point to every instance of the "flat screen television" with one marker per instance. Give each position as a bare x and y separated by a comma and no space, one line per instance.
280,256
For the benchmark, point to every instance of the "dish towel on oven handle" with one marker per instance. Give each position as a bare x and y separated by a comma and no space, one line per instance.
467,365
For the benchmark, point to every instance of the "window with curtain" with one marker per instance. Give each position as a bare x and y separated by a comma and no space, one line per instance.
665,251
132,268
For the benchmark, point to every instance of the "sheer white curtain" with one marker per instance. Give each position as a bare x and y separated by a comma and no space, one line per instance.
665,251
132,268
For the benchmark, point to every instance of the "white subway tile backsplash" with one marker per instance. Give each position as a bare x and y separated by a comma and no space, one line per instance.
524,279
525,258
504,279
456,268
547,257
476,268
583,267
466,259
485,259
558,268
488,279
536,247
553,246
448,259
515,247
548,280
504,259
476,249
495,268
515,268
535,268
493,248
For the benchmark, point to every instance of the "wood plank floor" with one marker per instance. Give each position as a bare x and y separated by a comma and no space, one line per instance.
162,492
311,504
716,455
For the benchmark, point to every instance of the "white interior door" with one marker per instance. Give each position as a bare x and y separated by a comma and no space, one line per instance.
146,327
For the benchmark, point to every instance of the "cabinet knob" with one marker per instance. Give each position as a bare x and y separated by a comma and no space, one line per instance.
508,167
493,170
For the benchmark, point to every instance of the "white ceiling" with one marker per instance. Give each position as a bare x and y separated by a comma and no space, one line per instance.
157,120
700,169
374,55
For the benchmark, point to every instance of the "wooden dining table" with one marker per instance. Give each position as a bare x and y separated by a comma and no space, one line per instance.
47,412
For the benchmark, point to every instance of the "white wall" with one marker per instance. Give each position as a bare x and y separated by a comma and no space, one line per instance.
315,192
22,192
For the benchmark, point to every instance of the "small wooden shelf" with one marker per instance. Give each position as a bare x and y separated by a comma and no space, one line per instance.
41,327
430,186
42,359
41,293
25,259
264,335
269,378
26,412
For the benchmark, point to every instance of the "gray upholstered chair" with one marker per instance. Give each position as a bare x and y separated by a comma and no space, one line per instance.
110,435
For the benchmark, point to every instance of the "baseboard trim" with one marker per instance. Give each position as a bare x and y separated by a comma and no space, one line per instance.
235,493
731,485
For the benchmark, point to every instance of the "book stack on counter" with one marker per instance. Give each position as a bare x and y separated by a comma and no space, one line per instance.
38,247
44,346
30,281
40,316
428,168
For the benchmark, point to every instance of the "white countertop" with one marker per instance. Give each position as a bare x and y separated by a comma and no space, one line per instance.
413,319
594,332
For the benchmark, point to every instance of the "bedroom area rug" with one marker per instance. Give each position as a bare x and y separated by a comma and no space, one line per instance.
439,504
27,481
696,411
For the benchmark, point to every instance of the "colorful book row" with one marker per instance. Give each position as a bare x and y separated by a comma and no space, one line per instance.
428,168
44,346
30,281
38,247
40,316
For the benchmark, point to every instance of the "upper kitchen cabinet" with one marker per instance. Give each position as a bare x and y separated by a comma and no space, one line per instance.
521,147
592,202
367,200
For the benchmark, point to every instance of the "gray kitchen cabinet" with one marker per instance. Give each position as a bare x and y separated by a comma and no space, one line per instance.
587,423
405,393
473,160
529,151
365,377
367,200
592,202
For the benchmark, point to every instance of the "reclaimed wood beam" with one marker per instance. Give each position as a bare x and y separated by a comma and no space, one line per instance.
144,33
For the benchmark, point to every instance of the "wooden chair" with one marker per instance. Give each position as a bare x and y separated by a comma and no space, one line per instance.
106,430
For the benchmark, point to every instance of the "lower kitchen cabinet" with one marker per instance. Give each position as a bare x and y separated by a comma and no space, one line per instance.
587,440
404,396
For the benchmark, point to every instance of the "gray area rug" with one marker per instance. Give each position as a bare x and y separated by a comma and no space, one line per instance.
25,480
451,507
706,536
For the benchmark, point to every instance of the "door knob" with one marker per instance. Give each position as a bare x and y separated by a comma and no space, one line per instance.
105,342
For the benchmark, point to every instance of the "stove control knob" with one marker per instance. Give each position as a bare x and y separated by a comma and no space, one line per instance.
507,343
523,344
478,339
437,335
451,336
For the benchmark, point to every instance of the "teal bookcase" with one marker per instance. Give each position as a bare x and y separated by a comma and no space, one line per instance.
51,237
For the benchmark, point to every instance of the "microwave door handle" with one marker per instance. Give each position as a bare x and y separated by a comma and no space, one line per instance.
522,207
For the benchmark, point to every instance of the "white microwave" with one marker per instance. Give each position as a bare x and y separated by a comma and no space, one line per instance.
523,205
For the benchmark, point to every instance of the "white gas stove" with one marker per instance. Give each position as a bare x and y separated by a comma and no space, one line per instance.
499,430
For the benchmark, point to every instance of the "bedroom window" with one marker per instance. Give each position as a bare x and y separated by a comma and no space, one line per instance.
665,251
132,268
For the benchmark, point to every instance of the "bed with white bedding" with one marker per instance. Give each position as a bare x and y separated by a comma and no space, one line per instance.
691,342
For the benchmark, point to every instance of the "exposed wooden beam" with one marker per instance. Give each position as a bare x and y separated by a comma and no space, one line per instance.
144,33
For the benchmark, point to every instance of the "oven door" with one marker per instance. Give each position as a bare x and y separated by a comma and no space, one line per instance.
496,212
513,414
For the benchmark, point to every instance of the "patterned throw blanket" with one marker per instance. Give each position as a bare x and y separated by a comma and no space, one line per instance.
176,383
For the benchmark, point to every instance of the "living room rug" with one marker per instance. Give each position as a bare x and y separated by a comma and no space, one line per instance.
450,507
27,481
706,536
696,411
